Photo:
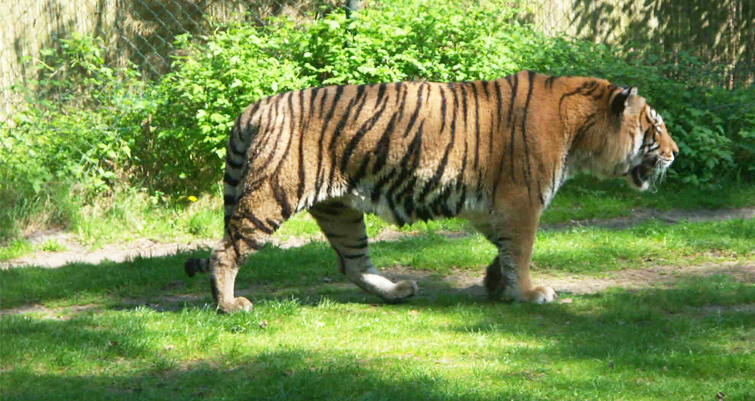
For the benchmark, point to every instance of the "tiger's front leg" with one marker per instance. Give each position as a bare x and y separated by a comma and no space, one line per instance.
508,276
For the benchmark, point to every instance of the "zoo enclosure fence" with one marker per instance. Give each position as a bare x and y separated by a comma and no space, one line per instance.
142,32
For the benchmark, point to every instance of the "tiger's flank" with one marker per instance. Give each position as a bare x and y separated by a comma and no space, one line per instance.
493,152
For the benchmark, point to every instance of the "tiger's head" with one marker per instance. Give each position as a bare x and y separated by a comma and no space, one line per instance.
623,136
652,150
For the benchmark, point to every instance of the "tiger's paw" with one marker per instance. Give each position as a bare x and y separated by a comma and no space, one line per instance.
238,304
539,295
404,289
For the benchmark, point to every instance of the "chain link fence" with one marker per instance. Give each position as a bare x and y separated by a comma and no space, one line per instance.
143,32
721,33
135,32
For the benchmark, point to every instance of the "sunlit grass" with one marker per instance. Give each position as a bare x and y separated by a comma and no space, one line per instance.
128,215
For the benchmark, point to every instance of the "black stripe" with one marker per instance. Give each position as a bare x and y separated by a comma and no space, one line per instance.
361,100
413,118
442,110
378,189
499,102
357,256
540,193
229,200
464,103
484,85
589,122
340,126
231,163
460,182
360,244
361,172
320,173
322,102
381,93
277,140
455,110
251,243
550,80
382,148
477,127
312,101
278,192
528,177
230,180
273,223
255,221
366,127
403,102
406,170
514,88
302,131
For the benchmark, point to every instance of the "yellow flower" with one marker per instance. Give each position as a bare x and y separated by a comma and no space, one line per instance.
193,198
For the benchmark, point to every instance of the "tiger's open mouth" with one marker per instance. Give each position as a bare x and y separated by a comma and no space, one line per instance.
640,175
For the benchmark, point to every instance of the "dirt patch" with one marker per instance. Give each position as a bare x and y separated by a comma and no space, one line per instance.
652,277
669,217
75,252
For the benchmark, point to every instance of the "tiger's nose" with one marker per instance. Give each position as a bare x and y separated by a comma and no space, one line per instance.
675,149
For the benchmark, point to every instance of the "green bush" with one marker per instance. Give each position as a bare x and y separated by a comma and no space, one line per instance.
400,40
438,41
71,136
89,127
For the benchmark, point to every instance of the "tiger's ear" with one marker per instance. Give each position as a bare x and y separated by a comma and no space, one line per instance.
627,97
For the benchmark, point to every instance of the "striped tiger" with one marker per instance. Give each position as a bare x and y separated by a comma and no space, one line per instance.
492,152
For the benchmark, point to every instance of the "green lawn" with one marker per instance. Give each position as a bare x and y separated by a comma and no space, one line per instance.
128,215
141,330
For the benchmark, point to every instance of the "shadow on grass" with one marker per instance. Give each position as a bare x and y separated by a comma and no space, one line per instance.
272,272
283,375
616,336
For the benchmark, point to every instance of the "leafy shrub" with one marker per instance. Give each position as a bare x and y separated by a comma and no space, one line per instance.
72,134
89,127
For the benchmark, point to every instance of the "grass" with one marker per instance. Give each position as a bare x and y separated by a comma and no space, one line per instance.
687,343
142,330
575,251
129,214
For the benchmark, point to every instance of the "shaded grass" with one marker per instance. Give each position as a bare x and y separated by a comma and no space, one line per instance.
647,345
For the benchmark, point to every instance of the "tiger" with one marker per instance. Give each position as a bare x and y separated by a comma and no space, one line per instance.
492,152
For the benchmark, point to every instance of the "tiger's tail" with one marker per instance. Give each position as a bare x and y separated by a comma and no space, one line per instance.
235,160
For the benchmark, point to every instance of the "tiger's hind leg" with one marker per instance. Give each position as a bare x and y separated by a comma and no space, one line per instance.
345,229
257,215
